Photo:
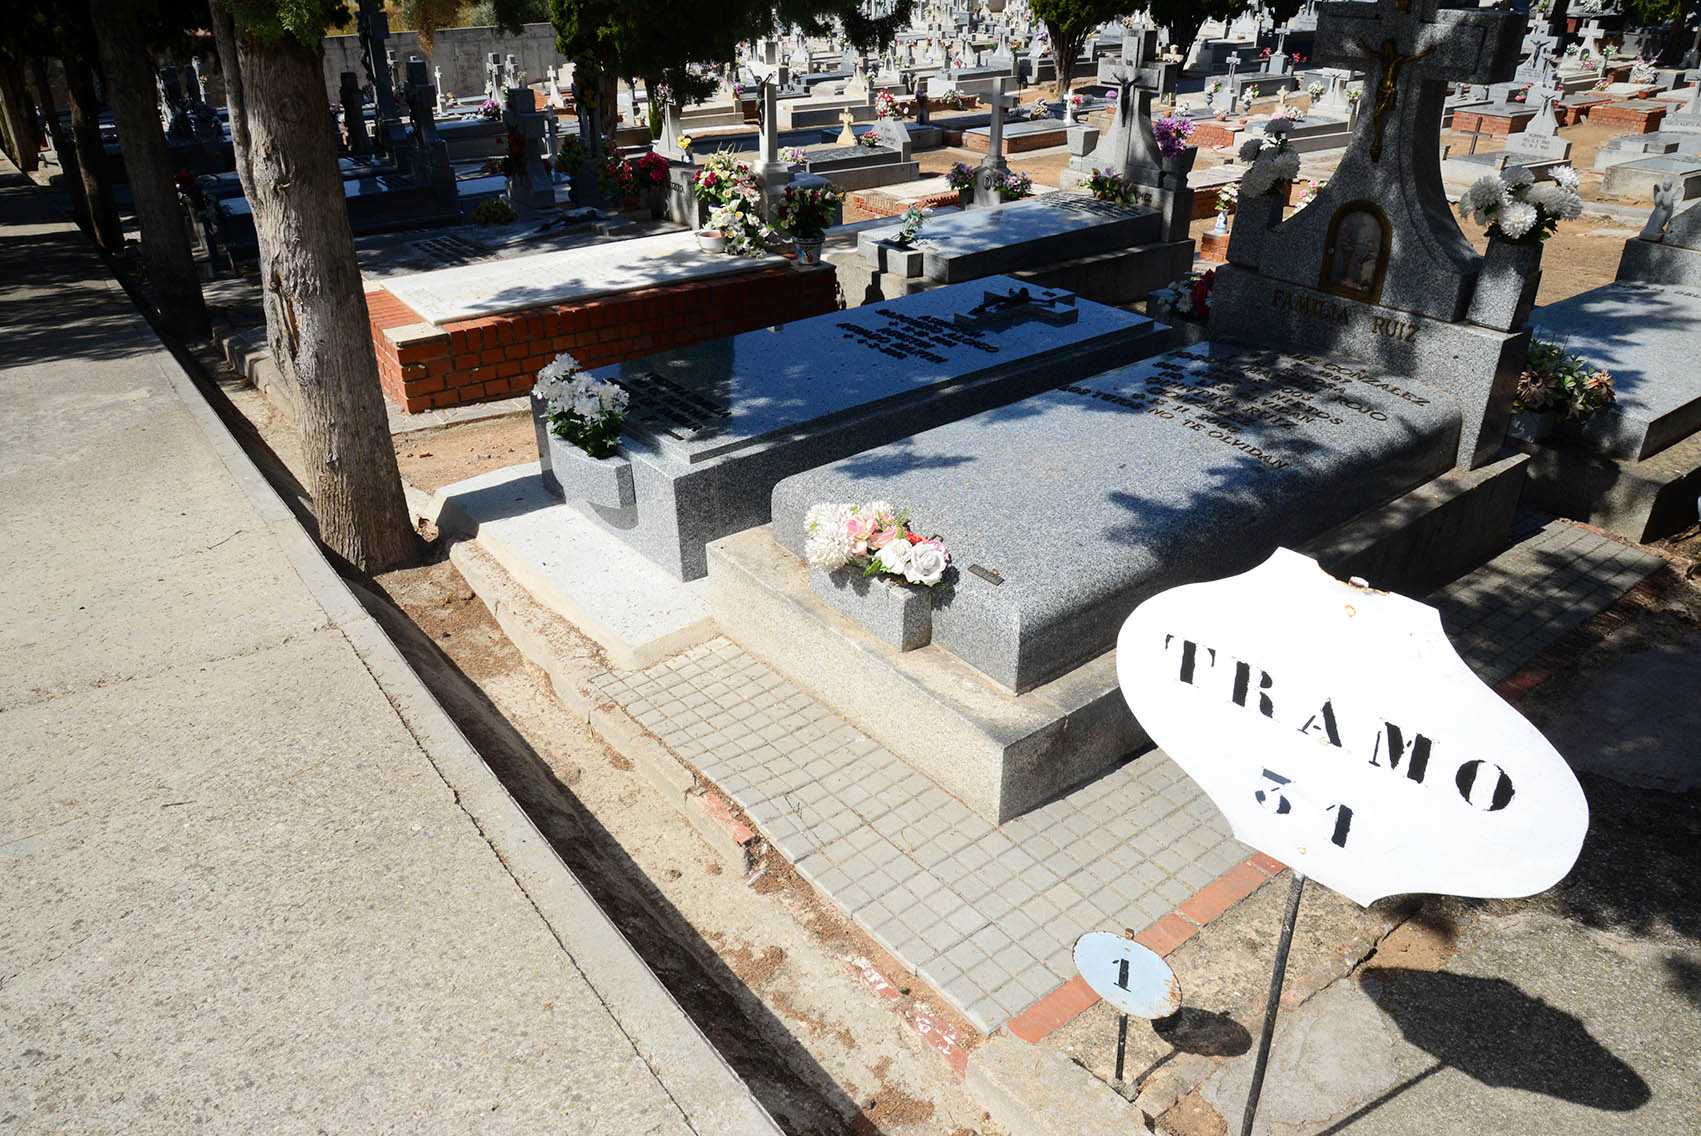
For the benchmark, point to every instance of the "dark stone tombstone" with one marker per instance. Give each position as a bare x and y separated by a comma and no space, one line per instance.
354,115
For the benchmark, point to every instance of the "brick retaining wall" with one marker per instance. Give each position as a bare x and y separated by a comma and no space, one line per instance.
423,367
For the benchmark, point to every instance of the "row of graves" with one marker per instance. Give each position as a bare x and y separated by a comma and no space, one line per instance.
1352,400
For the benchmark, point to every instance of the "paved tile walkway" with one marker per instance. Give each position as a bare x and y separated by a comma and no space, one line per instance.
988,914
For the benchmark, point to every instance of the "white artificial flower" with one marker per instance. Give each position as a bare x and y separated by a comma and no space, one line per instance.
1250,149
1481,200
1286,165
1545,197
827,546
894,557
926,564
876,508
1566,177
1516,177
1516,218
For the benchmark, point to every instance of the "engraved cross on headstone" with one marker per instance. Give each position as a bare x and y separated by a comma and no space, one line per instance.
1404,45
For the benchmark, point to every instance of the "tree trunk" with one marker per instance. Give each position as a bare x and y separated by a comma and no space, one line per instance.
318,329
64,151
124,60
235,97
108,230
1064,49
20,116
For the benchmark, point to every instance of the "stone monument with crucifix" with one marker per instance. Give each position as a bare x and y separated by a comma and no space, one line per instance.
1376,267
993,167
1130,149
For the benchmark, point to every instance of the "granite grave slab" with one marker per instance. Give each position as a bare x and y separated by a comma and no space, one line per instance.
1201,462
711,429
1647,336
1022,234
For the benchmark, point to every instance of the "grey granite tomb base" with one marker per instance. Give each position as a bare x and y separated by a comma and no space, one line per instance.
1653,263
712,428
1647,337
998,753
1004,754
1640,500
1479,366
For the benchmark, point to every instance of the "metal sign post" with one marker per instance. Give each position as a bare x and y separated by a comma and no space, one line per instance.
1143,984
1271,1004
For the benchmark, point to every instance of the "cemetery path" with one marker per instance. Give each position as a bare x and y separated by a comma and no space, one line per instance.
256,879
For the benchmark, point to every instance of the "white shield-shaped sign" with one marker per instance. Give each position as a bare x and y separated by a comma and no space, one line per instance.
1338,731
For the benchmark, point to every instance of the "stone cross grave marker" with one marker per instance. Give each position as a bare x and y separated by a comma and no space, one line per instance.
770,171
354,115
993,165
1376,267
847,136
1410,51
536,190
1233,62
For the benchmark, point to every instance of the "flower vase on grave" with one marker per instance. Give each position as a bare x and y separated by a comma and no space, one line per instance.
1179,165
1506,284
1531,425
1222,222
966,197
809,251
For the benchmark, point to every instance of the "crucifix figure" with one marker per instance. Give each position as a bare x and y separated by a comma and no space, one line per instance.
1388,87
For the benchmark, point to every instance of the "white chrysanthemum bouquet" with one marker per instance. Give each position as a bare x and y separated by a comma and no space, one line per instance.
583,410
876,538
1271,159
1515,207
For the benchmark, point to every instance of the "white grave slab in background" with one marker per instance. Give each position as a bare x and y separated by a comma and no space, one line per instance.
560,277
1338,731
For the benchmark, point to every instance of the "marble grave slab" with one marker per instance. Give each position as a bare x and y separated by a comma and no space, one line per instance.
712,428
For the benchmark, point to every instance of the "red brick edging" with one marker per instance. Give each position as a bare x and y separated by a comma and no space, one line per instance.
1075,997
424,367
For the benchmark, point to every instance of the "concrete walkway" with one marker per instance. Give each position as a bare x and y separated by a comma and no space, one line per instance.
254,879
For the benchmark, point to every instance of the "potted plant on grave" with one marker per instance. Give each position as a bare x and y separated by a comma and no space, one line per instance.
1185,304
1556,386
804,214
1107,185
489,110
729,191
1518,213
961,177
650,172
1012,186
617,182
578,419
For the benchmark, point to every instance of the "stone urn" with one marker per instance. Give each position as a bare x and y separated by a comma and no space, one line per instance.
1506,284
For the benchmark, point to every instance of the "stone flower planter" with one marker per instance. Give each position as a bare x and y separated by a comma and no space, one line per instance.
1179,165
577,476
1506,285
898,614
1531,425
